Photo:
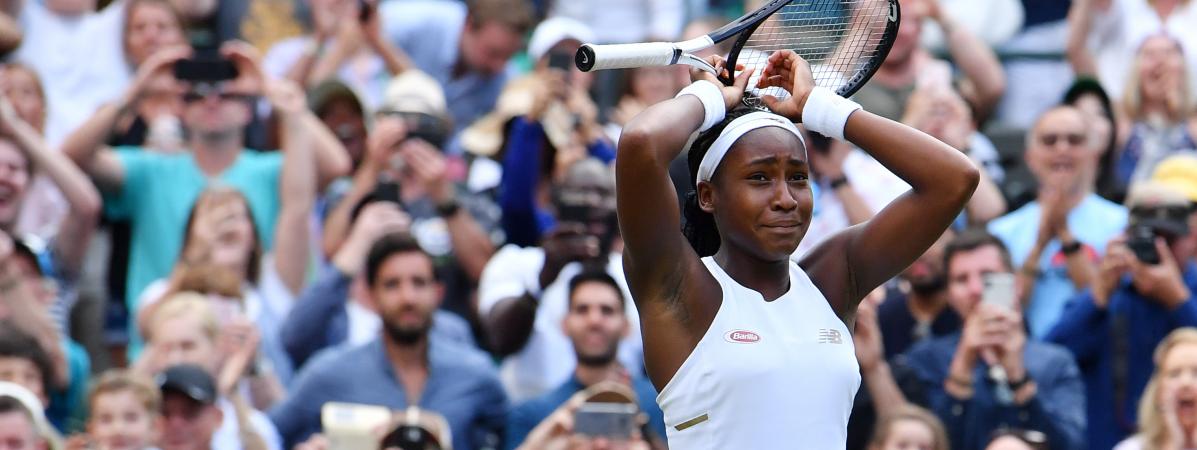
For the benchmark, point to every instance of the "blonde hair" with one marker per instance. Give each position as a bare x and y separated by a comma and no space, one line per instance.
1152,427
913,413
185,304
1132,98
114,381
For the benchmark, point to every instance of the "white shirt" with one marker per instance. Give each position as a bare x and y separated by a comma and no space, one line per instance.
766,375
624,21
228,436
79,60
548,358
1117,33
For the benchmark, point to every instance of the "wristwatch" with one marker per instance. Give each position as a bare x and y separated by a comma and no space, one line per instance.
448,208
836,183
1068,248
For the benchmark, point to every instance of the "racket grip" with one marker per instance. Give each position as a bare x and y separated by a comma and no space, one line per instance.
626,56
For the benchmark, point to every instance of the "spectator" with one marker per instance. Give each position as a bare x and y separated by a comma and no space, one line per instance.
28,296
917,309
1087,95
1018,440
124,414
1166,415
909,65
403,366
344,317
595,324
22,425
890,386
1104,34
190,415
1133,304
220,238
23,361
155,191
1057,238
465,48
154,120
10,30
185,330
1041,389
910,427
58,35
406,163
557,431
341,110
23,154
1159,106
627,21
347,44
943,114
524,293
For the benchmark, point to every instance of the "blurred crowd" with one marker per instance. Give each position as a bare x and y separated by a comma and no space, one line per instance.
333,224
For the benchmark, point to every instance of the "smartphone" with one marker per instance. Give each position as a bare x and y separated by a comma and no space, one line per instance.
582,214
364,10
610,420
561,60
1141,241
388,191
350,426
998,289
205,70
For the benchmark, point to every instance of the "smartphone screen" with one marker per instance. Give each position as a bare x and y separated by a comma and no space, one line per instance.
610,420
999,290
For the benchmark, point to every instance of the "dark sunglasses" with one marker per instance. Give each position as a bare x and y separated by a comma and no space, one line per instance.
1050,139
192,96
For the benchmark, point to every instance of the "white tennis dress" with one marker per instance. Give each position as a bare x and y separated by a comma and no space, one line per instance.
767,375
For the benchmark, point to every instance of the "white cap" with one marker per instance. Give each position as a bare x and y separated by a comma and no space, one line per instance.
554,30
33,406
415,91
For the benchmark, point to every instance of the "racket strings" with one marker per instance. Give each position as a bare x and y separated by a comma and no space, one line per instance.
837,37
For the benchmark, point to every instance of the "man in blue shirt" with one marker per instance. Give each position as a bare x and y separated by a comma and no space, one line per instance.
1133,304
1054,238
403,366
465,48
990,376
595,323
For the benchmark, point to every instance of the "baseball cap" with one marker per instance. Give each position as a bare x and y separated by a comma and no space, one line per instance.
1179,172
329,91
34,408
1160,207
190,380
554,30
414,91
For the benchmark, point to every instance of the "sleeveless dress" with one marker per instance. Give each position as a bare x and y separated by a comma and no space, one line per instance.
766,375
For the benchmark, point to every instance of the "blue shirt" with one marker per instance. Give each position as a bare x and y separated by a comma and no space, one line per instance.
1057,409
157,197
429,31
1116,343
463,386
1093,222
527,416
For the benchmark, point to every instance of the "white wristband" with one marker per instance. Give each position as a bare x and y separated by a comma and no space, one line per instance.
826,113
712,102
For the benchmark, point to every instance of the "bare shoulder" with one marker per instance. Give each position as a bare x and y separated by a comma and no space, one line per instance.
828,267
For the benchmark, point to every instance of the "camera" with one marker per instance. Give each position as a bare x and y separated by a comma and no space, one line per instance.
205,69
1141,240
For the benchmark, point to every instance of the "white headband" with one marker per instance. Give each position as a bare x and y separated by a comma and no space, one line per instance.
733,131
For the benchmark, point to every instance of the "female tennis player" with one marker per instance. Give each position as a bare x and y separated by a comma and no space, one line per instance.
748,349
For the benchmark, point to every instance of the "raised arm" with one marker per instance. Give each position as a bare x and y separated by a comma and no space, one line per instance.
297,185
977,61
85,146
941,178
70,242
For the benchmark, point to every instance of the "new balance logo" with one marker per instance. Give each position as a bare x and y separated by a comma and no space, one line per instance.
829,336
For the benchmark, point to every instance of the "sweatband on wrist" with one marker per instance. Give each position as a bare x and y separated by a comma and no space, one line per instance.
712,102
826,113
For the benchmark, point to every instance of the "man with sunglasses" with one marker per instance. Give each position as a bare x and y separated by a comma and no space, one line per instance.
1143,290
155,191
1057,238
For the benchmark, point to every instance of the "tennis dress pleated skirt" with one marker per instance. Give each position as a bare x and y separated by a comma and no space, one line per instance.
767,375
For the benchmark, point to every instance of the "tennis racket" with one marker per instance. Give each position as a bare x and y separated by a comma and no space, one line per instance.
844,41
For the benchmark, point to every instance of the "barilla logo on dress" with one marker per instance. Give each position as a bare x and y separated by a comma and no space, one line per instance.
742,337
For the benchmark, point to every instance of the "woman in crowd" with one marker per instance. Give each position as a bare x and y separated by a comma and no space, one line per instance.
1158,103
910,428
220,239
1168,409
1087,95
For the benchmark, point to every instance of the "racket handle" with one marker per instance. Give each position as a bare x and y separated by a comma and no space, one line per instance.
626,56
